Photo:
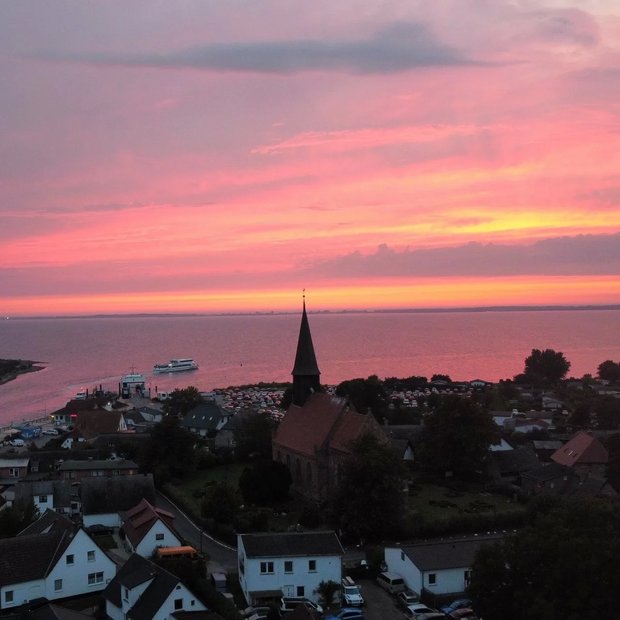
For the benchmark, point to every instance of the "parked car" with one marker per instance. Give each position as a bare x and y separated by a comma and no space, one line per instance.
17,443
50,431
406,597
416,611
464,613
350,613
288,603
351,594
454,605
392,582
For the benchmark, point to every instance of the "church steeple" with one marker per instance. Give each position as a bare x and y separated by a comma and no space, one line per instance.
306,374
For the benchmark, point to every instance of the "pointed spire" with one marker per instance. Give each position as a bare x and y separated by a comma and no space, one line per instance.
306,373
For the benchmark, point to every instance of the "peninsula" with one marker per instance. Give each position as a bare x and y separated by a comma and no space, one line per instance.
10,369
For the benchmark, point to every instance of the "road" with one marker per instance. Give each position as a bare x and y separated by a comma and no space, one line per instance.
221,557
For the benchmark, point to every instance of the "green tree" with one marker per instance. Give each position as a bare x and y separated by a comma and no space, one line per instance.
546,366
564,565
609,371
265,482
169,451
365,395
456,437
369,501
220,503
17,517
181,401
253,435
327,591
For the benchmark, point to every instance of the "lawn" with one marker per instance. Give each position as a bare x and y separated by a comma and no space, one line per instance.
435,506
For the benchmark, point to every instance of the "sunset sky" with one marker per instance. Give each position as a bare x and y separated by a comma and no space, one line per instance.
209,155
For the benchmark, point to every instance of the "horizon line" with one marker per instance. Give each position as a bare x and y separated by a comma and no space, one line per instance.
430,310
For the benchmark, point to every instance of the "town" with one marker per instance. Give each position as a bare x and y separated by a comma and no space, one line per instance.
419,497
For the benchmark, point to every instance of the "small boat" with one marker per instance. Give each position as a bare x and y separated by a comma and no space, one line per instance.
176,365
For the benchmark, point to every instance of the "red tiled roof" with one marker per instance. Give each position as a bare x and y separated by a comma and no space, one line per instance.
582,449
90,424
323,418
141,518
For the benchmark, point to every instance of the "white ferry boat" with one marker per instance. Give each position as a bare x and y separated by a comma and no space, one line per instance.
176,365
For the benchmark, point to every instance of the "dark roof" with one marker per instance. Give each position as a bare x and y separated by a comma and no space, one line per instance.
89,465
50,521
118,493
291,544
138,570
305,358
206,415
458,553
548,471
55,612
30,557
89,424
515,461
63,491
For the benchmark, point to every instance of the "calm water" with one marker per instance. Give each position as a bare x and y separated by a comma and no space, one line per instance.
236,350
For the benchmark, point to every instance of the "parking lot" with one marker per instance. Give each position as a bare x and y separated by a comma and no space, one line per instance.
380,605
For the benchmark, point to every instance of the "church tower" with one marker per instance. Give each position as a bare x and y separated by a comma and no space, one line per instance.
306,374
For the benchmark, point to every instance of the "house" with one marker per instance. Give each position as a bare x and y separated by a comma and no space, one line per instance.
438,568
508,465
90,424
287,564
142,589
59,495
146,528
561,480
206,419
51,559
103,499
584,454
91,468
404,439
12,469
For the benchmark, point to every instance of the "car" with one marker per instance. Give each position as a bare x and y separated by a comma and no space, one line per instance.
289,603
350,613
351,594
454,605
464,613
50,431
17,443
416,611
406,597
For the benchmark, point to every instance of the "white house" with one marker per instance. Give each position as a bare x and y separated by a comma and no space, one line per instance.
58,495
439,568
147,528
287,564
143,589
51,559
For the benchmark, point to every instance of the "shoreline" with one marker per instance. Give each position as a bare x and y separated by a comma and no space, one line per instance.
11,369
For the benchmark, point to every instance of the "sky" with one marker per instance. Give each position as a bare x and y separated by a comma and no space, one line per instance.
209,156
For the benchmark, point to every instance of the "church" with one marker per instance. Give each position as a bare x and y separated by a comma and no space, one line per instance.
313,439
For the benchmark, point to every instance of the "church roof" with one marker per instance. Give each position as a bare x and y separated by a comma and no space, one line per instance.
322,419
305,358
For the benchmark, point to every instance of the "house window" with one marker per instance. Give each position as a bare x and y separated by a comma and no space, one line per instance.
95,578
402,556
57,585
311,566
301,591
288,566
159,536
126,594
90,556
70,559
467,578
242,566
432,579
178,603
42,499
266,568
13,472
8,596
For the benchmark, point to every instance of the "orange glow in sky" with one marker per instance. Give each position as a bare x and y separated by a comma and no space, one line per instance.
442,154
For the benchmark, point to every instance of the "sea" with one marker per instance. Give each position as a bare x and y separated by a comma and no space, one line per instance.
235,350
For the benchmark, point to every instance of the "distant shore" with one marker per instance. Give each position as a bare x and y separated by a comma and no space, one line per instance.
11,369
